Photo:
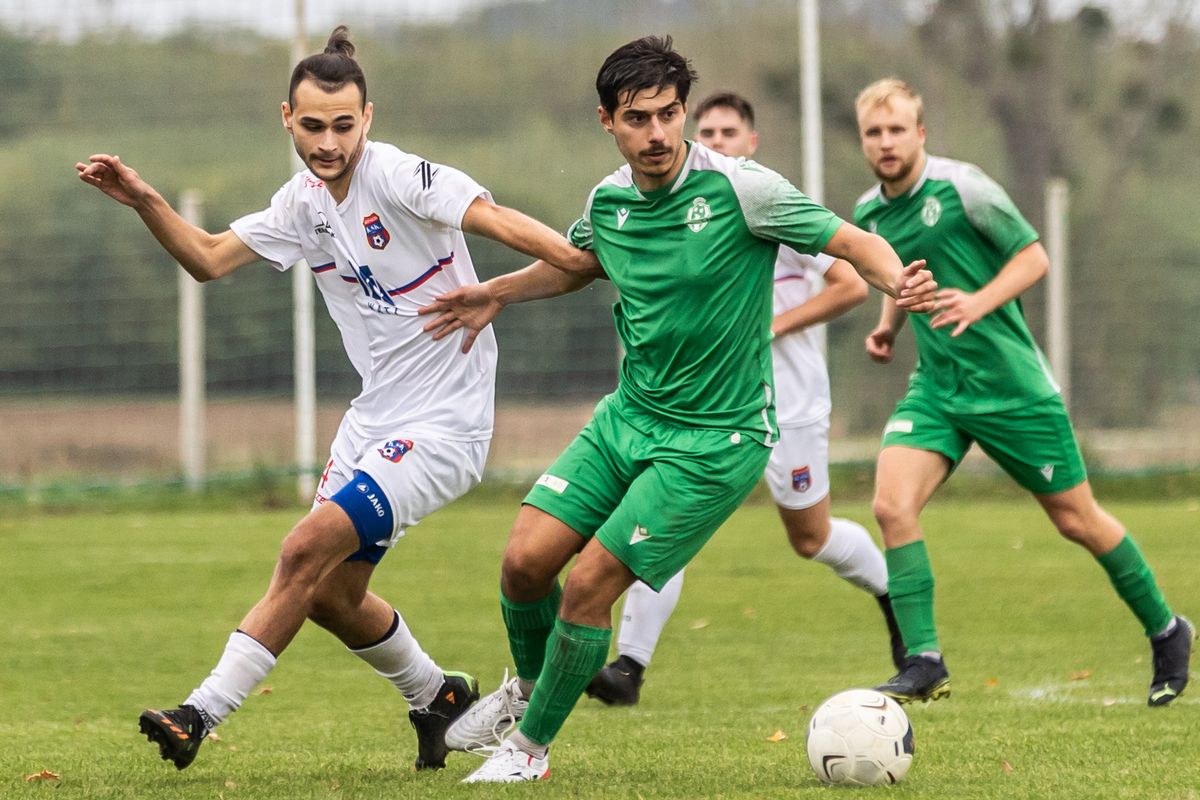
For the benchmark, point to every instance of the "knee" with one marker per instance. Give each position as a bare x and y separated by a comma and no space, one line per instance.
301,557
328,607
894,513
523,572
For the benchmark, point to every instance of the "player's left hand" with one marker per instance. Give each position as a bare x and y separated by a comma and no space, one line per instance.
472,307
917,289
958,308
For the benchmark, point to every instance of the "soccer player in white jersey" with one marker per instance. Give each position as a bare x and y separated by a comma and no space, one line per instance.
382,232
798,470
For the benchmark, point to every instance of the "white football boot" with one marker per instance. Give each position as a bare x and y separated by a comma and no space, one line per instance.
486,723
508,764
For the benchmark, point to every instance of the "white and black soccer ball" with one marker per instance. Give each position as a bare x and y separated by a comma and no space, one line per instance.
860,737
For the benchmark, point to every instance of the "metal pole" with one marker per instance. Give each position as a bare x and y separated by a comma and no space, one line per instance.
191,361
1058,328
812,150
305,356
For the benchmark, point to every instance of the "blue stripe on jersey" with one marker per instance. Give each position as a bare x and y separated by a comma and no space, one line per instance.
429,273
325,267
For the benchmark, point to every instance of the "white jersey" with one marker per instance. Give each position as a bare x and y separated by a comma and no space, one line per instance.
801,379
382,253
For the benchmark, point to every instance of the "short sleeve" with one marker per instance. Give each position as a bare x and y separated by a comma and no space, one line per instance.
991,212
437,192
580,234
271,233
776,210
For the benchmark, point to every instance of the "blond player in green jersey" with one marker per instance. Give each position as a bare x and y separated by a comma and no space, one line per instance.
980,378
689,237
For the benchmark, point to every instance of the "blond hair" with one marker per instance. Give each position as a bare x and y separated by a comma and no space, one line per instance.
881,92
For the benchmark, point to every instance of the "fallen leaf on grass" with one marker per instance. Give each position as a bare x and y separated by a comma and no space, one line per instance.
1109,701
699,624
213,736
230,785
1081,675
777,736
749,613
1007,767
265,690
44,775
992,683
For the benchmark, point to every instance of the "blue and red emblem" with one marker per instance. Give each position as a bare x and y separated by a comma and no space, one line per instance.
377,235
394,450
801,479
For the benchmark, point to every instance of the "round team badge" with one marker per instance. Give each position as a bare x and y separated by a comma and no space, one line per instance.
931,212
698,215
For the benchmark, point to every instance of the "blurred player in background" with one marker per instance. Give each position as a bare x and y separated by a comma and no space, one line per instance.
689,238
980,377
798,470
381,231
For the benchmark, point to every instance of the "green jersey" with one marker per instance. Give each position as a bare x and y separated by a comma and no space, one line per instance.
693,264
964,225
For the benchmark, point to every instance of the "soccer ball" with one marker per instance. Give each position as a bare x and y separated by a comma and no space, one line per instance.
860,737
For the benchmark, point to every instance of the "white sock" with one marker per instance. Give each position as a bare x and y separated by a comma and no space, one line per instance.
852,554
402,661
645,615
243,666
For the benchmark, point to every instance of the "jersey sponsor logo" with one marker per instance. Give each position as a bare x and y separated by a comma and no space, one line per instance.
931,212
427,173
801,479
323,227
377,235
640,534
622,215
370,286
1047,472
394,450
898,426
698,215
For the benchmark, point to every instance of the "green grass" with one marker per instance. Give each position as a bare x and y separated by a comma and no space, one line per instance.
109,611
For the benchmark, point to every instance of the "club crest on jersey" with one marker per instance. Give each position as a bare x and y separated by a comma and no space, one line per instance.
801,479
377,235
698,215
931,212
394,450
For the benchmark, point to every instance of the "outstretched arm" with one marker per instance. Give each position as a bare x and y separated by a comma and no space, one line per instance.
844,290
474,307
913,286
204,255
526,235
963,309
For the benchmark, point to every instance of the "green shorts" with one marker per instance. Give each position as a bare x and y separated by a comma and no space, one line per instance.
652,493
1034,444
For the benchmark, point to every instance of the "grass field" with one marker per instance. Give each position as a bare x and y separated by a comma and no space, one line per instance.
110,611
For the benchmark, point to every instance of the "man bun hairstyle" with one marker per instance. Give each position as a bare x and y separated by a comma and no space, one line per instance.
647,63
331,69
731,100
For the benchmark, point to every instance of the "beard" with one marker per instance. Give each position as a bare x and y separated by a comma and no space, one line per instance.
905,169
346,168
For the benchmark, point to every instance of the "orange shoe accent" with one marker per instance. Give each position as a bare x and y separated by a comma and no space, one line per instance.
450,696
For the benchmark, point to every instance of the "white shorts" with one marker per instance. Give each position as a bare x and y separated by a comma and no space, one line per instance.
418,473
798,472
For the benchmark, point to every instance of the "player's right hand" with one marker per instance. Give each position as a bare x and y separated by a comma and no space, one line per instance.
471,307
116,180
881,344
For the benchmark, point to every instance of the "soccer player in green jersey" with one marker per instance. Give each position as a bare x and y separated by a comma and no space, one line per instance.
689,237
981,378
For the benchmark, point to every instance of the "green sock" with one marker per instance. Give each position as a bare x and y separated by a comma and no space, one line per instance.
1134,582
574,654
910,585
529,626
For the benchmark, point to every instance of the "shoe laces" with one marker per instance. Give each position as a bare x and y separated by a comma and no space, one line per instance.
505,720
